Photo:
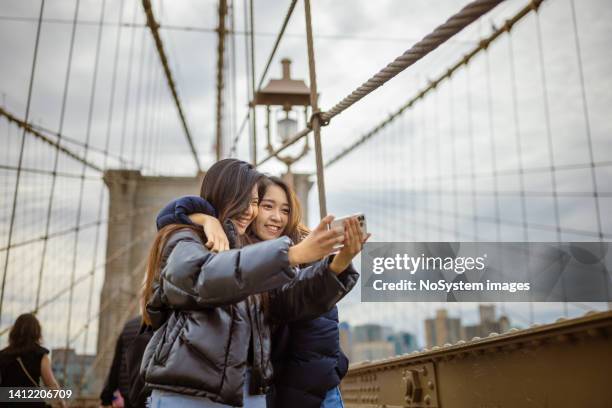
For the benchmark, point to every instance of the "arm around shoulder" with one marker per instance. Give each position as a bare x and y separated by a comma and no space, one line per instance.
195,277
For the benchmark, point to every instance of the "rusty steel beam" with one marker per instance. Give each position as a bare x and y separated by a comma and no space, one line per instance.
220,80
562,365
154,26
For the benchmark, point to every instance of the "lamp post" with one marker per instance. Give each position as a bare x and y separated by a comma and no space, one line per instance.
288,94
285,93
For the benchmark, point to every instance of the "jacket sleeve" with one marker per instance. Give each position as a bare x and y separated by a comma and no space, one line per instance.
193,277
178,211
314,291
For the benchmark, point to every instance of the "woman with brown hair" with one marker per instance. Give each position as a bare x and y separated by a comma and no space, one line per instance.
211,346
308,363
24,362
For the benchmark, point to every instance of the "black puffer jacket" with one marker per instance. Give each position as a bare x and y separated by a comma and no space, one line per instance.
307,362
204,316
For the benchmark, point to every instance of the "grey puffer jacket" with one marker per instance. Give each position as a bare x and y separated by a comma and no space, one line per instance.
205,316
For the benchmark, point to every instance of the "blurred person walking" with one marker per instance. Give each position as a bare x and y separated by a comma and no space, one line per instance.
24,362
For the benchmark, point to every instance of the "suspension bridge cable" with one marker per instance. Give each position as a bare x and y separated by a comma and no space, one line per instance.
145,134
482,45
279,37
113,84
585,110
110,340
56,157
45,172
316,119
77,143
110,301
101,197
470,132
519,155
233,74
212,30
494,170
220,80
252,51
75,244
128,88
117,217
138,106
153,26
551,155
29,129
110,258
452,26
526,170
21,151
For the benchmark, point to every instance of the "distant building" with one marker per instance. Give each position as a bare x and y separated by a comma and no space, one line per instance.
403,342
76,366
488,323
370,332
370,342
442,329
372,350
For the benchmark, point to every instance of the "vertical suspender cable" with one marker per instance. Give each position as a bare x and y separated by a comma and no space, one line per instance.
101,193
587,122
551,153
20,161
470,131
139,102
253,113
220,78
519,154
316,119
126,99
233,71
56,159
92,100
247,58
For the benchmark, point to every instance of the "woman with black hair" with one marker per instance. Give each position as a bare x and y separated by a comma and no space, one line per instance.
211,346
24,362
306,355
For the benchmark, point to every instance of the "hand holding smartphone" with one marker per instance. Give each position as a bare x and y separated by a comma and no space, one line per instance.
338,224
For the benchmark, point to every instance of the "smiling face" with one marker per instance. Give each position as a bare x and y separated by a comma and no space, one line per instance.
244,219
273,214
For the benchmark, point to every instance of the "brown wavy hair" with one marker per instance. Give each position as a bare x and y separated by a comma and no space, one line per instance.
294,229
227,186
154,263
25,334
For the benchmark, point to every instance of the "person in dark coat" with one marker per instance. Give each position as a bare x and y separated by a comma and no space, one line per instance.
118,375
308,363
24,361
211,308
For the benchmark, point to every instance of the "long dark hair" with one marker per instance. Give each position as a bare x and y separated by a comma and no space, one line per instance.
227,185
25,334
154,261
294,229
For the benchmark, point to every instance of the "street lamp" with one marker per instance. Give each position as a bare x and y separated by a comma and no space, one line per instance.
286,93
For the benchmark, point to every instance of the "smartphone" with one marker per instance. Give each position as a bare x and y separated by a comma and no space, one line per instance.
338,224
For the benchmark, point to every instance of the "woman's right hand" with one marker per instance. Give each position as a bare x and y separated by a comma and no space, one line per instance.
317,245
215,234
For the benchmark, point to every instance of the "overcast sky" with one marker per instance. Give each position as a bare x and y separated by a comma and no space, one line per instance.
402,178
